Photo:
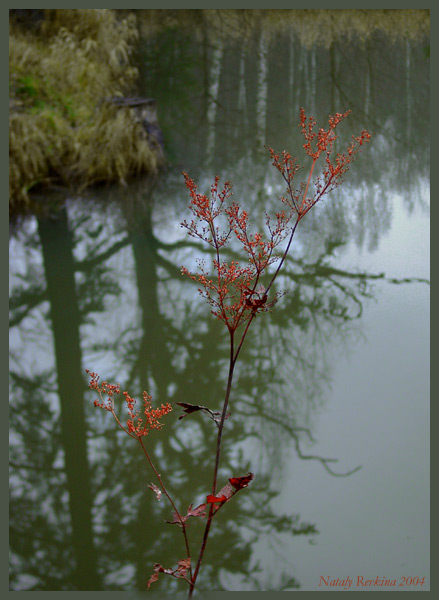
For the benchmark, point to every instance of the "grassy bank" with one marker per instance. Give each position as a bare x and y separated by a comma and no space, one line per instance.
61,66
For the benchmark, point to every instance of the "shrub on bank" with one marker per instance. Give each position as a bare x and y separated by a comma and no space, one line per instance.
59,130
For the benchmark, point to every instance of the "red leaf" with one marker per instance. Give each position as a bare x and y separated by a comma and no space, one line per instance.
213,499
227,491
241,482
223,496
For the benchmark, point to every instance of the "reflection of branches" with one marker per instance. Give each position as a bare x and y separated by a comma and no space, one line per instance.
24,301
293,432
34,467
87,264
173,270
313,272
409,280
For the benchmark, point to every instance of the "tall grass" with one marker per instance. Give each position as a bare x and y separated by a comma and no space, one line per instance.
59,131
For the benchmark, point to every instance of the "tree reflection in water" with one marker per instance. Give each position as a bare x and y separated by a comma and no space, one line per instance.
183,357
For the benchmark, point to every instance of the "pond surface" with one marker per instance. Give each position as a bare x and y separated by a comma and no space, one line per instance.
339,369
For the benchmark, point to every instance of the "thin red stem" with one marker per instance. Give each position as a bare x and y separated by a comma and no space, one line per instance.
162,485
287,249
233,359
217,459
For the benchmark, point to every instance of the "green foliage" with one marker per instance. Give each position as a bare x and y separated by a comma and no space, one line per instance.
58,129
26,87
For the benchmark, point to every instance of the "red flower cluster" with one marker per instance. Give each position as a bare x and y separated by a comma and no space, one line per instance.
206,210
232,290
103,389
140,426
137,426
317,143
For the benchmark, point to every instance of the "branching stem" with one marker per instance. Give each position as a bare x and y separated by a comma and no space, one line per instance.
162,485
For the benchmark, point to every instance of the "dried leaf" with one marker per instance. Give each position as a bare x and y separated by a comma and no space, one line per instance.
157,569
226,491
216,416
190,408
157,491
176,520
235,484
152,579
183,566
199,511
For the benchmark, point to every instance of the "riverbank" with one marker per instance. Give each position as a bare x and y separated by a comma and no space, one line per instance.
62,65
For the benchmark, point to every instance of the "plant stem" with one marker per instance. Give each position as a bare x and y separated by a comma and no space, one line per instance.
224,411
233,359
232,363
284,255
162,485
